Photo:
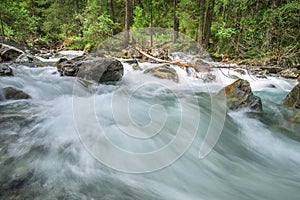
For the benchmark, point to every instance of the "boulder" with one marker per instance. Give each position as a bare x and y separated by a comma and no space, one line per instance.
13,54
19,46
6,71
67,68
239,95
9,53
101,70
290,73
96,69
164,72
201,65
293,98
14,93
27,58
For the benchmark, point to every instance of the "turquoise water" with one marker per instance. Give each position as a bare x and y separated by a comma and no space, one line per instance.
54,146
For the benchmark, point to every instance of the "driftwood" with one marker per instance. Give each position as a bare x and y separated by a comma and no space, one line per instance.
195,68
179,63
164,61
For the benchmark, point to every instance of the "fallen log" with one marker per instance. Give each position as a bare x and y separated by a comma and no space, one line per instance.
164,61
196,68
180,63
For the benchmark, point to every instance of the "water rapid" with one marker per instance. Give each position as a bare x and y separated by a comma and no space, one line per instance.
50,146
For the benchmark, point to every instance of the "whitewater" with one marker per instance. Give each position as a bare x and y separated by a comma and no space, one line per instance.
70,142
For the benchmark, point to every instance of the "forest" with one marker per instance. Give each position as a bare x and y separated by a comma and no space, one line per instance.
259,30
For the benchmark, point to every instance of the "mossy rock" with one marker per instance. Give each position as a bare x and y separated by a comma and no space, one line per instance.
293,98
239,95
14,93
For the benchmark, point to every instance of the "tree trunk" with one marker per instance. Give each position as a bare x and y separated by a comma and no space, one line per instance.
208,21
136,2
127,22
201,23
175,22
276,3
151,21
77,5
32,10
240,30
112,10
78,19
2,26
267,46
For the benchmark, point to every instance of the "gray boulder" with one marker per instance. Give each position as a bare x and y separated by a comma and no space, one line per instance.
9,53
239,95
12,54
67,68
14,93
163,72
96,69
101,70
293,98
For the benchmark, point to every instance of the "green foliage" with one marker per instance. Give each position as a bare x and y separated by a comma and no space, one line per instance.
244,28
75,43
224,33
188,13
161,14
97,29
140,20
17,22
59,20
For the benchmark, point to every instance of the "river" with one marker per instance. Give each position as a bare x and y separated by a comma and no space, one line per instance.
50,147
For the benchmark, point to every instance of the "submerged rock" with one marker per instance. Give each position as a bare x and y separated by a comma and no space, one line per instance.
14,93
293,98
134,64
239,95
6,71
164,72
136,67
208,77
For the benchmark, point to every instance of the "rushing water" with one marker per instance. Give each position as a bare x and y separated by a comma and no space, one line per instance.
42,156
